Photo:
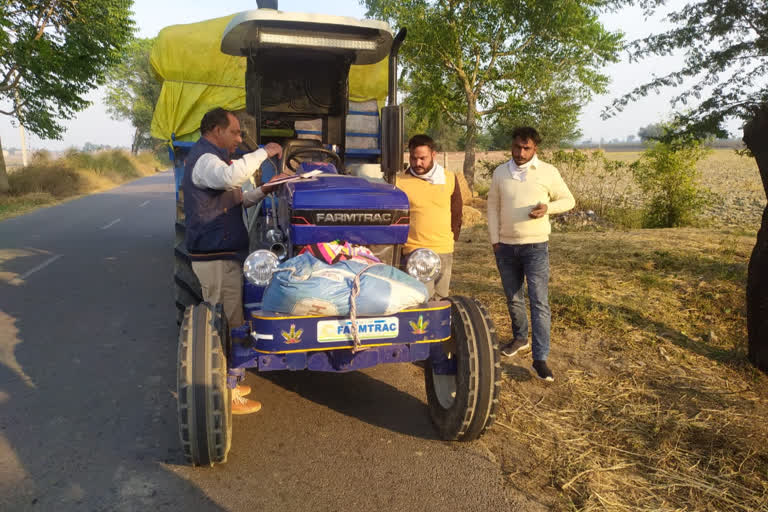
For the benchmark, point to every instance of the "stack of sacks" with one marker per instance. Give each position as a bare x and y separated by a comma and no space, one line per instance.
304,285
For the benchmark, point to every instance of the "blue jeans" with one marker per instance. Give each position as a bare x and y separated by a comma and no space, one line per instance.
528,262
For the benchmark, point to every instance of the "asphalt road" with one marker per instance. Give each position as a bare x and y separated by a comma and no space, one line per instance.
87,385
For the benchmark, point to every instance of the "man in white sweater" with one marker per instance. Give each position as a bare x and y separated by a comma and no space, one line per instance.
523,193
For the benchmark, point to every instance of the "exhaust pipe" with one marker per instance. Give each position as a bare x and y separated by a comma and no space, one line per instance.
393,51
392,119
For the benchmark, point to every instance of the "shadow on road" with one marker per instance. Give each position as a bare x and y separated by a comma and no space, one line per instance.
87,363
360,396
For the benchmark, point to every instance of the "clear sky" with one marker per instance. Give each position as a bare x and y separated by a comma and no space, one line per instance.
94,125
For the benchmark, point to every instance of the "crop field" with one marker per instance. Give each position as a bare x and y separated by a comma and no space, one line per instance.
655,406
737,197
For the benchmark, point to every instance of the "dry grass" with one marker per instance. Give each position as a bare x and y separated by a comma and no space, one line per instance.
738,197
655,406
45,181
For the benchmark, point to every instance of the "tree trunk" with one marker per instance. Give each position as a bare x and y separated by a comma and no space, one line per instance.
136,141
469,146
4,185
756,139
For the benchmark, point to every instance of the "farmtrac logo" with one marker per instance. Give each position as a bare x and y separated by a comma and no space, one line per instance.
352,218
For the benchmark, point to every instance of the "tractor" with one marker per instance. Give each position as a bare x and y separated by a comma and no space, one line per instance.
297,89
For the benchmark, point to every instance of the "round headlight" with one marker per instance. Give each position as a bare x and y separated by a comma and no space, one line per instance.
423,264
259,266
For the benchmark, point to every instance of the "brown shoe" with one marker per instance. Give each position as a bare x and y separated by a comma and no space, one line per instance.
242,405
244,389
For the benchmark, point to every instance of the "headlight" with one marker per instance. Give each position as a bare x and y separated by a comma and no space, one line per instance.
423,264
259,266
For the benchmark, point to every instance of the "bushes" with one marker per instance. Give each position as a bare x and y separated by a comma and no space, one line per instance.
597,184
46,177
669,180
660,190
112,162
46,181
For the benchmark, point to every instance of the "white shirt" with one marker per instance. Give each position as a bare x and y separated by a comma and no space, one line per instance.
210,171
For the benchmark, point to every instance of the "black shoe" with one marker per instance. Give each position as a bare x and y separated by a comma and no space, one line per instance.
542,371
515,346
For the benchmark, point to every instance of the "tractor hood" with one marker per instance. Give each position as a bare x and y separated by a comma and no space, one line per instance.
333,207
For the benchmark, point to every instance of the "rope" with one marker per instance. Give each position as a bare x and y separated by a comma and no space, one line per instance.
353,309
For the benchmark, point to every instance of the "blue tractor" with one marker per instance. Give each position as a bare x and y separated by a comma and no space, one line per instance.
297,74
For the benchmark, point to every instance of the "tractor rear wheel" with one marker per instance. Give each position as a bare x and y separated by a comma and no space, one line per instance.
463,394
205,403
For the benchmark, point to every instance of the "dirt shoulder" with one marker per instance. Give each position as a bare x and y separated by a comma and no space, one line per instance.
655,406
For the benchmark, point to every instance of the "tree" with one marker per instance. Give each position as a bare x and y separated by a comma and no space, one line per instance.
755,137
556,117
52,52
668,177
653,131
447,135
726,60
491,59
132,91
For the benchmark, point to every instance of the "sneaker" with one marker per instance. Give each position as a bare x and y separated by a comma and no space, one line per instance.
242,405
515,346
542,371
243,389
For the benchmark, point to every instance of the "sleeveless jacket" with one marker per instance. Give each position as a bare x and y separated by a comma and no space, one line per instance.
214,218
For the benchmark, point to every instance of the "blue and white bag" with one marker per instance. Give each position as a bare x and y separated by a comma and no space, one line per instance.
304,285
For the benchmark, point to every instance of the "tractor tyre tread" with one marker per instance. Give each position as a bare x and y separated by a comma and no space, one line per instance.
204,402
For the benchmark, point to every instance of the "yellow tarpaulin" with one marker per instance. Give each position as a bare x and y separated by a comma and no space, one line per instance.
198,77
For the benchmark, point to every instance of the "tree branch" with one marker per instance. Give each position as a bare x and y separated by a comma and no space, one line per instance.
45,19
451,115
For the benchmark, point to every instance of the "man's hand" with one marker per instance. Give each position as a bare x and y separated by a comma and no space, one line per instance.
538,211
274,149
267,188
495,247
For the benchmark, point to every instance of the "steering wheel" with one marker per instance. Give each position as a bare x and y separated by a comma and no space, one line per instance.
293,163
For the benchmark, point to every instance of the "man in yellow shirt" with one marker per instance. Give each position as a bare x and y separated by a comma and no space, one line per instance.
435,209
523,193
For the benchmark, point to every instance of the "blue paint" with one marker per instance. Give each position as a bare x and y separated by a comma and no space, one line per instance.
339,361
441,365
337,356
345,193
361,235
270,326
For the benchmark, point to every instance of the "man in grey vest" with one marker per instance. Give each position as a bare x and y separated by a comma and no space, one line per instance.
216,236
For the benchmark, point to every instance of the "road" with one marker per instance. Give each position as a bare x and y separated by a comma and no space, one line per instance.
87,391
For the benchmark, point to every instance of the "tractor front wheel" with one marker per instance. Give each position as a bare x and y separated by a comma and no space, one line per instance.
205,404
463,380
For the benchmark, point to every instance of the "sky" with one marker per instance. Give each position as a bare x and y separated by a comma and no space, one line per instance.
94,124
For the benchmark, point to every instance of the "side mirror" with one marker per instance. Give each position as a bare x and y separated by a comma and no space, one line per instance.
391,141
